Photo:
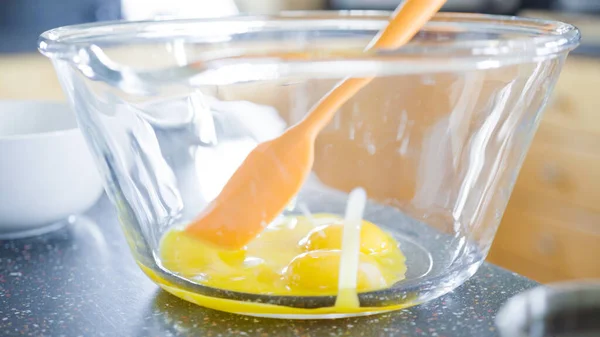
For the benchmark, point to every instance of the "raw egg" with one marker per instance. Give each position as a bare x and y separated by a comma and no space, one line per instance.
372,239
294,256
318,271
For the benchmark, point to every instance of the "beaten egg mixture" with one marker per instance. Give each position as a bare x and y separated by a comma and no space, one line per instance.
298,256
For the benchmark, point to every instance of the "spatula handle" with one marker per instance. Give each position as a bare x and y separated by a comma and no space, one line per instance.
406,22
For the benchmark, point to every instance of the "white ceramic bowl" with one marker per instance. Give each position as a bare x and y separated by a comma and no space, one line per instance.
46,170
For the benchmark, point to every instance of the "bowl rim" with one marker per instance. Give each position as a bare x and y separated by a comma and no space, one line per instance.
550,37
37,135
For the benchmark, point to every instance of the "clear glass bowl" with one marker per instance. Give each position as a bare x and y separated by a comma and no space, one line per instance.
171,108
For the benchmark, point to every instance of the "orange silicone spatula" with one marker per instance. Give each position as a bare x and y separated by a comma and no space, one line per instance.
273,173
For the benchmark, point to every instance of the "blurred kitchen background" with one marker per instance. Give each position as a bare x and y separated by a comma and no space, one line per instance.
551,229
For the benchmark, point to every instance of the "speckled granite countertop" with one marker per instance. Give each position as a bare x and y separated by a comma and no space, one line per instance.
82,281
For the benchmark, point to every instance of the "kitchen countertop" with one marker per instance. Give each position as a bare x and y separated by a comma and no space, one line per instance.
81,281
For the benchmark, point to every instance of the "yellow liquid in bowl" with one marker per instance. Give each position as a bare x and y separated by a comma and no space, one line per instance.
295,256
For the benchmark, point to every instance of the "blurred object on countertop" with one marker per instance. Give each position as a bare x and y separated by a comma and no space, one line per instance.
22,21
561,309
147,9
47,173
551,228
579,6
480,6
275,6
24,73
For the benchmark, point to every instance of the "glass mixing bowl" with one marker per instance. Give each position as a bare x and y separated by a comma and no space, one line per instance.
171,108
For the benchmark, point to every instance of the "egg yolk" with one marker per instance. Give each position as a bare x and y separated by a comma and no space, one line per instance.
318,272
372,239
183,254
294,256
